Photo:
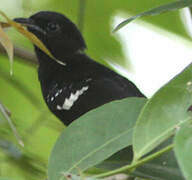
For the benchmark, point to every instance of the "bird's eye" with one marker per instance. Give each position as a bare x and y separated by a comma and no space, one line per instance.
52,26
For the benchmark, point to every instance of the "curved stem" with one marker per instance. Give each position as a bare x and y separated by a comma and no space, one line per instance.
135,164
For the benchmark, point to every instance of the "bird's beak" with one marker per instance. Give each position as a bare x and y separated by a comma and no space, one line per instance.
24,21
29,23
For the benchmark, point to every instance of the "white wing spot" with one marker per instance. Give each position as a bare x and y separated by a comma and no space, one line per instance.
88,80
73,97
59,107
52,98
56,94
67,104
85,88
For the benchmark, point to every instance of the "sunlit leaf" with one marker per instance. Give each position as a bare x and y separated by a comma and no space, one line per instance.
168,7
163,114
7,44
183,149
94,137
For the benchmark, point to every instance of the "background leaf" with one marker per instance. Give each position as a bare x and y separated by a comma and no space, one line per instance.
36,125
163,113
21,93
94,137
168,7
183,146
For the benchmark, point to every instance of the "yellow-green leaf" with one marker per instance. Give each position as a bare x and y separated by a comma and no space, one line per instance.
30,36
7,44
5,25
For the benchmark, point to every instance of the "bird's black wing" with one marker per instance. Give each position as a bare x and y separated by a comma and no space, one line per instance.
75,99
84,86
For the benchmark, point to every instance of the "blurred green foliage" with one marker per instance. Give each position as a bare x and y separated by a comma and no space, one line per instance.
21,94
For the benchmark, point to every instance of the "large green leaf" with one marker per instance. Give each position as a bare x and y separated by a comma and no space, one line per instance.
163,113
168,7
94,137
183,149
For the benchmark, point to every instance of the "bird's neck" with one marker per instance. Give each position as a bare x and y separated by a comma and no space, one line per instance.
44,59
48,67
64,58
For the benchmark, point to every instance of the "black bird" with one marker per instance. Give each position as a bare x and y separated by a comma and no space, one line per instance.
79,84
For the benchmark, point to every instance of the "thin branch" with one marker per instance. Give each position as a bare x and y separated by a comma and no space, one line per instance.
23,54
3,111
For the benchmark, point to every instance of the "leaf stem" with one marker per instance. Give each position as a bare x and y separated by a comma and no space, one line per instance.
135,164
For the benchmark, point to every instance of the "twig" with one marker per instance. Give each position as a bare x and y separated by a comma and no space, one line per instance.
2,109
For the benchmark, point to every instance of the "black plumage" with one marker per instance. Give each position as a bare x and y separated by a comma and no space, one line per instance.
79,84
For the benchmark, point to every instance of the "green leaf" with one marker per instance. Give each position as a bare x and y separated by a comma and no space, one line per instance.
4,178
155,11
163,114
183,149
94,137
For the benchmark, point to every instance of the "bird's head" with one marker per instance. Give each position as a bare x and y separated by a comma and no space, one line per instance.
57,32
